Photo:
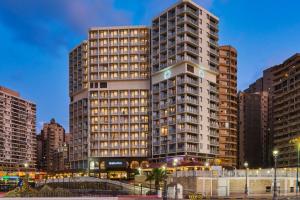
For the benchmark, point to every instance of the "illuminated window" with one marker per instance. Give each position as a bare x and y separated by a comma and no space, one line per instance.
103,94
124,111
103,75
134,74
164,131
94,94
94,111
124,75
124,94
103,111
113,93
113,75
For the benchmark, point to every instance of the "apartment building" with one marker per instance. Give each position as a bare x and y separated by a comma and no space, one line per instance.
260,92
184,63
61,156
227,80
51,138
254,134
17,132
109,92
286,104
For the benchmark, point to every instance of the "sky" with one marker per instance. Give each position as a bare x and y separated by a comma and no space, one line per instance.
36,37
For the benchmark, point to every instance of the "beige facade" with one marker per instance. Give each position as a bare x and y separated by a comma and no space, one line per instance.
227,80
185,97
78,91
17,132
109,114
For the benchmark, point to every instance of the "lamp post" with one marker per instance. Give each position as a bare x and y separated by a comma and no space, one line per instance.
165,196
246,183
210,174
141,186
275,154
175,161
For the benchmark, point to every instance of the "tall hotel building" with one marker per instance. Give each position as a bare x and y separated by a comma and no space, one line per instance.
228,114
184,63
109,92
17,132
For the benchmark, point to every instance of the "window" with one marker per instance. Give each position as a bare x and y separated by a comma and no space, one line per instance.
190,68
103,85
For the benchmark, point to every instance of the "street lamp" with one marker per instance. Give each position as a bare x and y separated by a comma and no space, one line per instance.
165,196
141,186
246,183
275,154
210,174
26,165
206,164
175,162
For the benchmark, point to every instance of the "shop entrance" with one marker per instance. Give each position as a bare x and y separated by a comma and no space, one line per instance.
117,175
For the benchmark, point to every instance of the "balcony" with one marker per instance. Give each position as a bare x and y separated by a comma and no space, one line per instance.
193,31
214,43
213,33
192,21
190,49
214,98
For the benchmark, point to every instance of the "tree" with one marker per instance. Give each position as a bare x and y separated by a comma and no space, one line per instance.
150,178
158,175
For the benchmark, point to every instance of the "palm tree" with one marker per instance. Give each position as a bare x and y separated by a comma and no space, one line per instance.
150,178
158,175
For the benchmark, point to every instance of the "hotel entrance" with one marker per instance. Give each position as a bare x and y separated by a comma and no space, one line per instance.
117,168
117,175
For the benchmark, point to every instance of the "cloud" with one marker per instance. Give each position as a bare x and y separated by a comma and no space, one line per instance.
51,24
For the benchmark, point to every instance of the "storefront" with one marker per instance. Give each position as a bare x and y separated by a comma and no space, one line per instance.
114,168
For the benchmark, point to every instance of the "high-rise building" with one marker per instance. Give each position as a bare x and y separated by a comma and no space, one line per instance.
255,122
253,129
52,137
286,104
78,92
109,92
61,160
17,132
185,97
227,81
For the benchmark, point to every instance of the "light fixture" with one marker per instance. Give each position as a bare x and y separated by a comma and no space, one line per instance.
167,74
275,152
201,73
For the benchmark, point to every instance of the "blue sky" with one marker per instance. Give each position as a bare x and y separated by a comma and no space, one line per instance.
36,37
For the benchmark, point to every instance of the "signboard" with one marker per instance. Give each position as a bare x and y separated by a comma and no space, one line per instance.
115,164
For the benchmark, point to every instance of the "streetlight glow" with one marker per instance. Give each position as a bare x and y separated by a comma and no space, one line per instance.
175,161
26,165
275,152
246,176
206,164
